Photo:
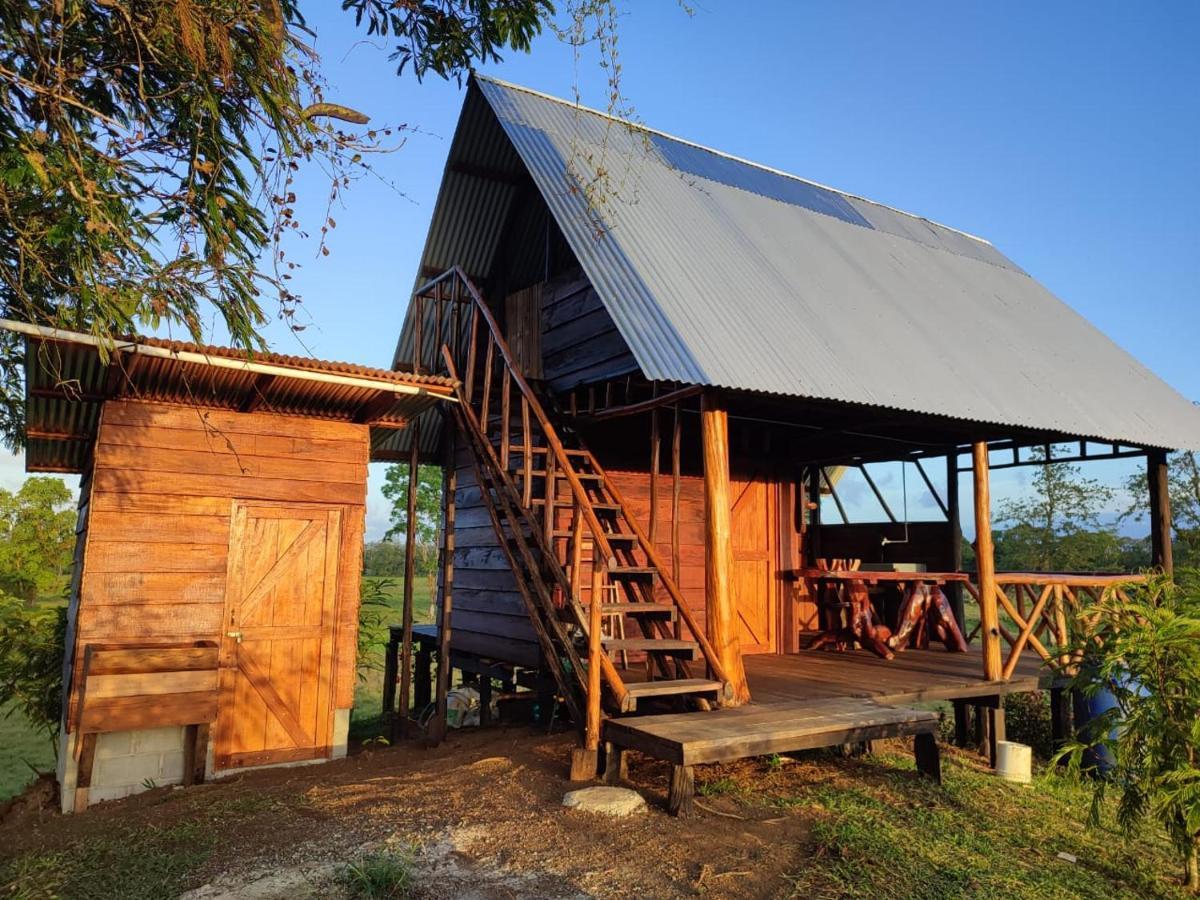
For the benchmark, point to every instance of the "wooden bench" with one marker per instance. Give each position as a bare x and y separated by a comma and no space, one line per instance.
128,688
686,739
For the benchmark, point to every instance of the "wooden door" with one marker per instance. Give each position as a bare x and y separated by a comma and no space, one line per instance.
523,329
753,588
276,670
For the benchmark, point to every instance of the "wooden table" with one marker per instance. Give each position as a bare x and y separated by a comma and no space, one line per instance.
924,610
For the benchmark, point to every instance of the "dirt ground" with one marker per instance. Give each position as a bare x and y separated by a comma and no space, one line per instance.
484,816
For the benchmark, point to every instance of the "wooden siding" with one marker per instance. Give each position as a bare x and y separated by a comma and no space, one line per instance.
488,614
165,478
580,342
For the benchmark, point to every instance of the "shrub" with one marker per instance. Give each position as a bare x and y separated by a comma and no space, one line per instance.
31,661
1143,645
1027,721
384,875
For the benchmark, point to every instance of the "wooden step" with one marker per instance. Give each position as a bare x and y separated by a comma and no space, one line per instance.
567,502
630,573
670,646
639,609
535,450
613,537
642,690
582,476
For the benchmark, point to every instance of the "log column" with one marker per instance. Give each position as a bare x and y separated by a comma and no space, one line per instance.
991,714
437,731
400,724
720,616
1160,511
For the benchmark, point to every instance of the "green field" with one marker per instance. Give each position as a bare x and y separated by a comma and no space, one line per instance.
23,751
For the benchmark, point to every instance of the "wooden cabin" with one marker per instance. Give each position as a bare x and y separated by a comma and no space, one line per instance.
213,616
667,357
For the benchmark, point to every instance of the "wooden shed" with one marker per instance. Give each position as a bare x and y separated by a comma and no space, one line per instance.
213,614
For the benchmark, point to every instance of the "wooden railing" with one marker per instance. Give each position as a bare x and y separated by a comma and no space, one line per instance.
1044,609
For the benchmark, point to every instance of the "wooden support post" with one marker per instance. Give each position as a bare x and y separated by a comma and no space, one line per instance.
195,753
438,729
391,656
986,562
1060,725
676,490
954,515
83,780
423,679
655,453
718,546
929,761
681,797
1161,554
585,759
616,764
961,723
812,499
400,725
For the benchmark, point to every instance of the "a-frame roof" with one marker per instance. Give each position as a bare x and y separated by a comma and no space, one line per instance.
721,272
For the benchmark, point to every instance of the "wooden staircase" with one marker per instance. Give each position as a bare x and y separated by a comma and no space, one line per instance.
579,557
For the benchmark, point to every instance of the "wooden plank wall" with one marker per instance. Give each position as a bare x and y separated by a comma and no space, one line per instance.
488,614
164,482
580,342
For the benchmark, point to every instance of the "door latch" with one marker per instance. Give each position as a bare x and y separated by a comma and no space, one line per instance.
236,635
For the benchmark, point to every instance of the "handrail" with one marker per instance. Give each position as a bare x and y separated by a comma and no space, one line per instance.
613,677
548,431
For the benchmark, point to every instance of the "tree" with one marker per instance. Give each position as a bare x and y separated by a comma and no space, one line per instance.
383,558
37,538
1183,488
149,152
1057,526
429,510
1144,648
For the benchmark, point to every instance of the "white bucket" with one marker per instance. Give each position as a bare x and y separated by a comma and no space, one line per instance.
1014,762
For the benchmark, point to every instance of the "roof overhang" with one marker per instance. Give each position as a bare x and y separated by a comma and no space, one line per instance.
69,375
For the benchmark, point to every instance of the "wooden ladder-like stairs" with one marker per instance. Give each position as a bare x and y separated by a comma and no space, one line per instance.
579,556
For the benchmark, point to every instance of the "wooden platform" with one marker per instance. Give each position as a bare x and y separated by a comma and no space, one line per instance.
914,676
815,699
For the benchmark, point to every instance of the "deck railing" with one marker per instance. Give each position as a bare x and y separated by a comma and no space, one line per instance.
1042,610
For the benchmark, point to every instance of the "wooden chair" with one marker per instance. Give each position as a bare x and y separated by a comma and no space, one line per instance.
127,688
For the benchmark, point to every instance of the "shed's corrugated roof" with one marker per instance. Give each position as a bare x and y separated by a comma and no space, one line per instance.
66,380
722,272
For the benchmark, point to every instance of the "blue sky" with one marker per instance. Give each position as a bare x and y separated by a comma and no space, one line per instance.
1067,134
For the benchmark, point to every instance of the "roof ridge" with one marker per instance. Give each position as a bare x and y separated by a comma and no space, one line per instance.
721,153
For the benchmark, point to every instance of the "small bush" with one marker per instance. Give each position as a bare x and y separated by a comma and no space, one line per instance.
31,660
383,875
1027,721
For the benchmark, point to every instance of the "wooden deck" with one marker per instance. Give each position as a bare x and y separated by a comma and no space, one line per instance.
815,699
914,676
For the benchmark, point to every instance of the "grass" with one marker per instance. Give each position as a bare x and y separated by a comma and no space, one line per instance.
368,695
974,836
384,875
134,864
24,751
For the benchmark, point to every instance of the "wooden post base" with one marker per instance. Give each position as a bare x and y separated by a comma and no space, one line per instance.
584,764
616,764
961,723
929,760
993,731
1060,718
681,797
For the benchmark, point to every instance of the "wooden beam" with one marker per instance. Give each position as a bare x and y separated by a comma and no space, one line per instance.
34,434
62,393
985,561
256,396
718,546
633,409
375,408
1161,553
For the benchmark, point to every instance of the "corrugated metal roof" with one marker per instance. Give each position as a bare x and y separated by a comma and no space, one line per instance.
66,380
722,272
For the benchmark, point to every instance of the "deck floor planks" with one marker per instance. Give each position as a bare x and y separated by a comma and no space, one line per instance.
818,698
